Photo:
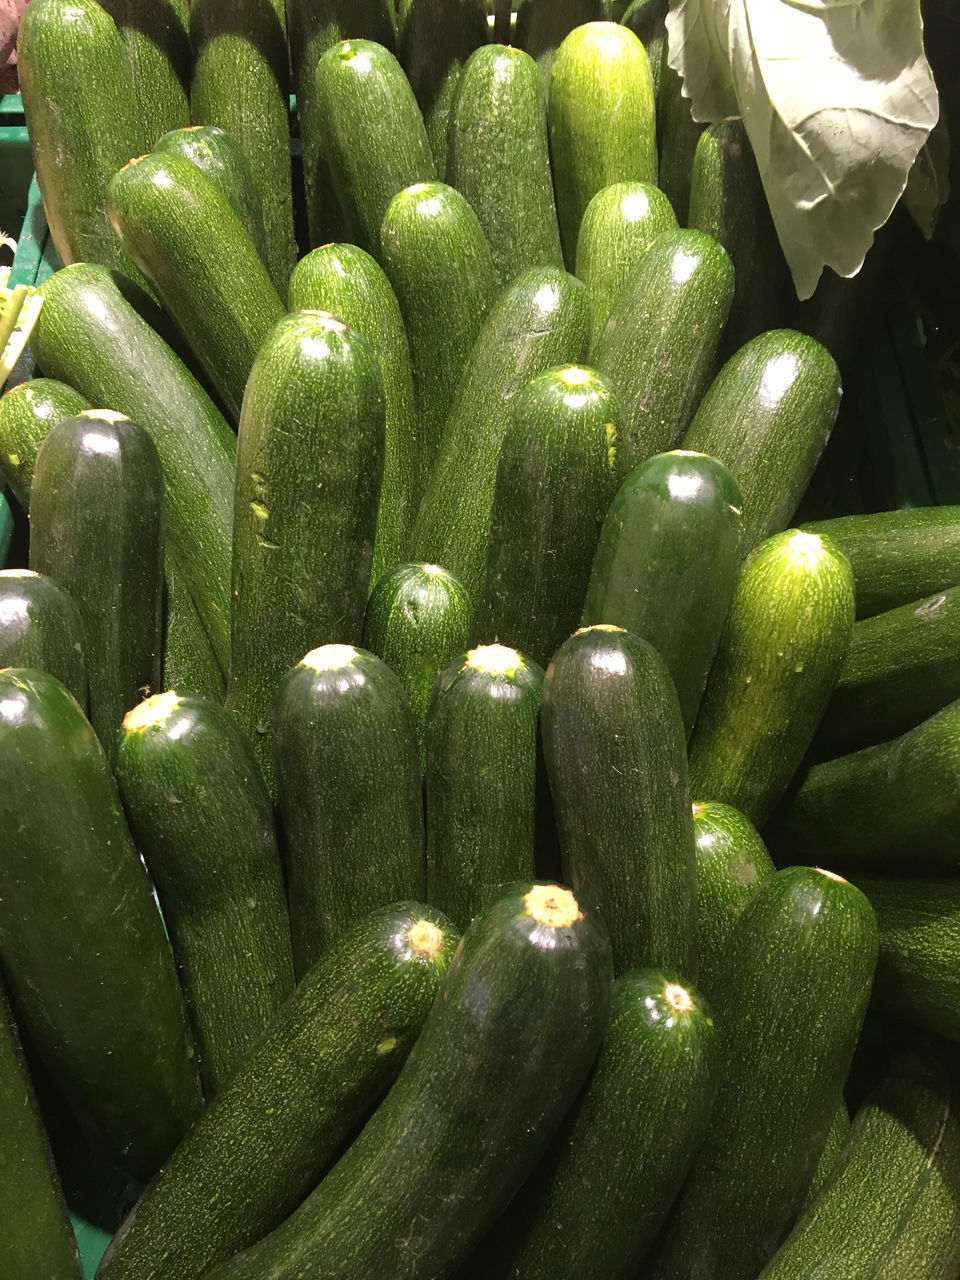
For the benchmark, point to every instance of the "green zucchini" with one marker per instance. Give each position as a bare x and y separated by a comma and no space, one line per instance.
331,1051
677,137
498,158
781,651
539,322
666,564
499,1061
241,84
348,778
102,1007
837,1135
799,966
417,621
616,758
309,463
542,25
203,821
157,42
481,773
618,226
440,265
372,134
40,626
646,19
600,120
27,413
555,479
96,528
88,335
189,664
767,415
346,281
660,340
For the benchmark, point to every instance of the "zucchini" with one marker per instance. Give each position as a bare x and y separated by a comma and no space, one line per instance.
40,627
666,564
330,1052
781,651
371,132
837,1135
346,281
540,321
439,263
102,1008
555,479
646,19
677,136
660,340
542,25
616,758
189,664
799,966
618,226
499,1061
309,463
348,778
88,335
203,822
96,528
27,413
157,43
600,120
417,621
767,415
481,773
241,84
498,157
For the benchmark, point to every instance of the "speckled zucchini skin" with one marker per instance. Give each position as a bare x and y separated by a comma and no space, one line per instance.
40,627
331,1051
677,136
27,413
157,42
836,1136
189,663
542,25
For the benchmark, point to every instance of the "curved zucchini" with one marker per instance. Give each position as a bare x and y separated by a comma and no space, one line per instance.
40,627
157,42
27,414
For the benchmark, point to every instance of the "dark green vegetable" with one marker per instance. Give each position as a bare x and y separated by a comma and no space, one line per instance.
677,136
40,627
836,1137
189,664
157,42
541,26
27,414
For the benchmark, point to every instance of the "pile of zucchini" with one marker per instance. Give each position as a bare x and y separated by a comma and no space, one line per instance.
414,612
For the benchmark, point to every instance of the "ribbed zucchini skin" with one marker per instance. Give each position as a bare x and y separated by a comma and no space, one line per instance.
372,134
542,25
346,281
891,1211
27,413
157,42
659,343
767,415
96,528
203,821
498,1063
348,777
600,120
417,621
481,772
89,336
331,1051
618,226
539,322
781,651
800,963
102,1008
498,157
40,627
555,479
309,465
241,84
189,664
439,262
615,752
666,564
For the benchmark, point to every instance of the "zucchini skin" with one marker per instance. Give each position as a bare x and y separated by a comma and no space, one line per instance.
40,627
542,25
27,414
157,44
836,1137
767,415
498,157
677,134
89,336
799,967
202,819
189,664
348,780
309,464
615,753
660,340
332,1050
103,1008
781,651
540,321
555,479
498,1063
666,564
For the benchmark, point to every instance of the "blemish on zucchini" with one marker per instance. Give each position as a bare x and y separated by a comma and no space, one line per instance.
426,938
678,997
329,656
151,711
552,905
495,659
